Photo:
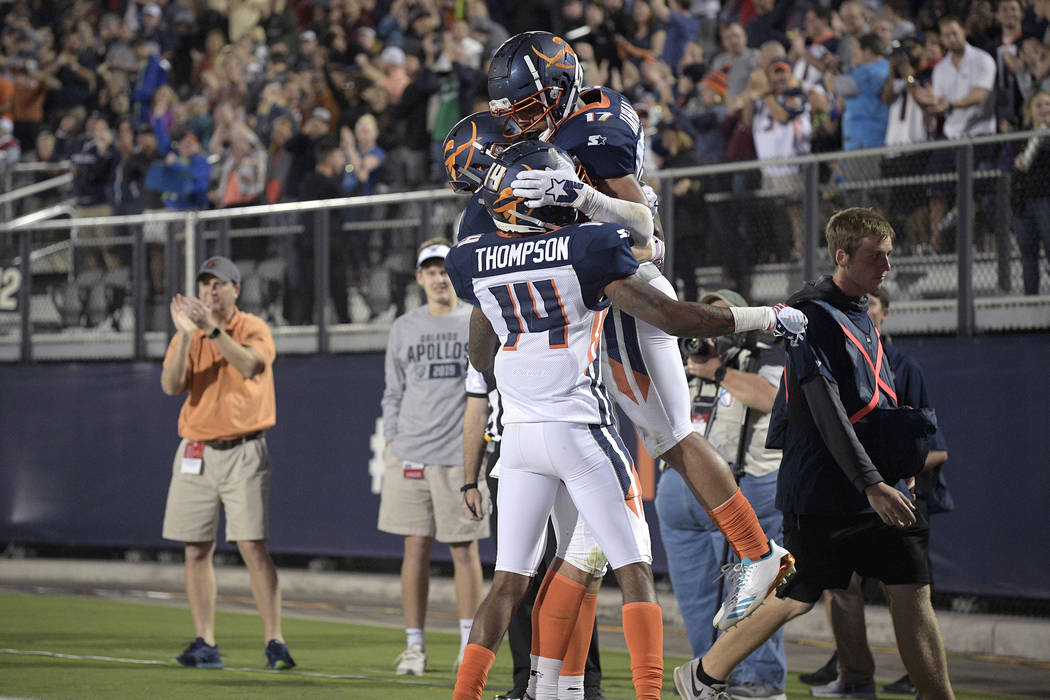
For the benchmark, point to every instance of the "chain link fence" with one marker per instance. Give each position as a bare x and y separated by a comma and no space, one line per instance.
972,219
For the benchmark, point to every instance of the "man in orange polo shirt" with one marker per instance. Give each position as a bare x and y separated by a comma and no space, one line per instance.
224,358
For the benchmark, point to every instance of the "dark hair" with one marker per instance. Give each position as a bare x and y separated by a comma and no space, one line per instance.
883,297
948,19
873,43
324,148
822,13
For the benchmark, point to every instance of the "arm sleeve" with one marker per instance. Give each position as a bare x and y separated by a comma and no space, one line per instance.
474,383
461,282
260,339
838,435
636,216
985,74
394,387
601,254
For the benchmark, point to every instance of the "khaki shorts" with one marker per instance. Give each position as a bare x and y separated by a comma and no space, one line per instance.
431,506
237,479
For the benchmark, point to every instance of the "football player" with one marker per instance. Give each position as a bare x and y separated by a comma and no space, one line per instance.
541,287
535,85
576,572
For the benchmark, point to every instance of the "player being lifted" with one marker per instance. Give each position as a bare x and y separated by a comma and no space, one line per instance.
559,650
535,84
541,288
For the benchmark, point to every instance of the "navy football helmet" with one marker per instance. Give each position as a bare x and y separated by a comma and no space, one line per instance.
470,147
534,81
510,213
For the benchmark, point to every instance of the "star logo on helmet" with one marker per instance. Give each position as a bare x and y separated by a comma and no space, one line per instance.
564,191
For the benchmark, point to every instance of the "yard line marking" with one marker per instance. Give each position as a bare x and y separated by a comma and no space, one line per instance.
265,671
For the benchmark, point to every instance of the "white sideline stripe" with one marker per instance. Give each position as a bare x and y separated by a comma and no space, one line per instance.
169,664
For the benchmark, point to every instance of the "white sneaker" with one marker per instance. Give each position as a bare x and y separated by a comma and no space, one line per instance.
751,582
690,688
412,661
459,661
840,689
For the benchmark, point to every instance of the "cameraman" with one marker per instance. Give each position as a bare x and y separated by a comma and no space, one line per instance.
735,383
908,71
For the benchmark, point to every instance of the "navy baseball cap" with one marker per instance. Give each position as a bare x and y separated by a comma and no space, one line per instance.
220,267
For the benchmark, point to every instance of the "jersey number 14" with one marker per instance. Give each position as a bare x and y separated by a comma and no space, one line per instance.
517,303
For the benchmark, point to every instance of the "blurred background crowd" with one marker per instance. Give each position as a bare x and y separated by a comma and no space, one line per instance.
194,104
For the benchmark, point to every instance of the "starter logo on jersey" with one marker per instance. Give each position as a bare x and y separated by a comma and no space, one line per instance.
596,140
564,191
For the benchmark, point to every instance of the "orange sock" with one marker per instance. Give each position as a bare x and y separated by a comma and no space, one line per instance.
473,672
541,595
553,619
643,628
575,662
736,520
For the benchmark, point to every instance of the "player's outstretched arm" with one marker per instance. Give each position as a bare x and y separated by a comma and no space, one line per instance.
640,299
693,320
481,345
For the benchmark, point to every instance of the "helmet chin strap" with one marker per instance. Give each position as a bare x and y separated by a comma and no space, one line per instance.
538,226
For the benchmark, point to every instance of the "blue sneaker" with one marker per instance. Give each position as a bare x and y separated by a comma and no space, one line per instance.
200,655
277,656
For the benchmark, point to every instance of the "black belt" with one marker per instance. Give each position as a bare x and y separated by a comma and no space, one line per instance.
233,442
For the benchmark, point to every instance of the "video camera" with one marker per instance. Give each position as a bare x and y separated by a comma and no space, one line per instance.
725,346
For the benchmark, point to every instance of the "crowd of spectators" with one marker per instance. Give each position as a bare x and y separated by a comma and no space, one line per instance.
220,103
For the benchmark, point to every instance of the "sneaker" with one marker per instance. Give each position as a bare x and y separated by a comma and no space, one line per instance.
901,686
689,687
841,689
751,582
823,675
200,655
513,694
412,661
277,656
755,691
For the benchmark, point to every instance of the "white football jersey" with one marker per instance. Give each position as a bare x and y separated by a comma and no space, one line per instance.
542,293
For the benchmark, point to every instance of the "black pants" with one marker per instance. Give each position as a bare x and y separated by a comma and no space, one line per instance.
519,633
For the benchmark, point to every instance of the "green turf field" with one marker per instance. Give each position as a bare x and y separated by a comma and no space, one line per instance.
133,643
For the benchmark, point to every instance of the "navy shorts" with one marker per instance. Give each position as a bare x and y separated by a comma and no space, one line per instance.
828,550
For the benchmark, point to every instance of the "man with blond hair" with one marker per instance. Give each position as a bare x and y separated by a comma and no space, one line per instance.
845,507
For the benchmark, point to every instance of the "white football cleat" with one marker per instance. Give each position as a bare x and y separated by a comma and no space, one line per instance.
751,582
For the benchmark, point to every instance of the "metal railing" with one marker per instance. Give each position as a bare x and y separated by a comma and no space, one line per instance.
96,288
18,184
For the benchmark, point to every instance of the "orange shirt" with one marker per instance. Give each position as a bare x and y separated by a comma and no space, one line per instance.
223,404
7,93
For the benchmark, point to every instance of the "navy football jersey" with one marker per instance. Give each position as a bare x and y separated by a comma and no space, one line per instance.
475,218
605,134
543,296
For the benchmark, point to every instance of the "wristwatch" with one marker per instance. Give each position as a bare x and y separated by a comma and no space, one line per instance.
720,373
215,333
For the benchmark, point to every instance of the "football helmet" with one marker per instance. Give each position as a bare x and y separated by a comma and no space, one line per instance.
534,81
470,147
510,213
